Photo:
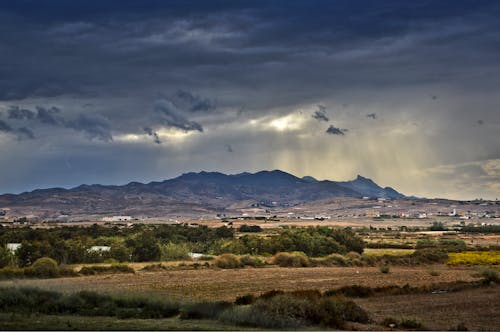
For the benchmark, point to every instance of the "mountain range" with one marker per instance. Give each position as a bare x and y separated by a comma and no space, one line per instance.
197,192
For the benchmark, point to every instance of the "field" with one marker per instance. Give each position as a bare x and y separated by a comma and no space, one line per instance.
218,284
475,307
436,294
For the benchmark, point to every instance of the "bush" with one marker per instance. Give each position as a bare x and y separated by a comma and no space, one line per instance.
351,291
44,267
385,269
434,273
154,267
427,256
83,303
174,252
114,268
284,310
332,260
245,299
228,261
410,324
293,259
489,276
250,229
203,310
334,311
66,271
251,261
11,273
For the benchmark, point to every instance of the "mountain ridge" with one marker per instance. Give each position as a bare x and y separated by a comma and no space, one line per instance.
203,190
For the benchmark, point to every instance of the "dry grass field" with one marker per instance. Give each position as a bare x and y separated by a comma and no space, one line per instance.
477,309
217,284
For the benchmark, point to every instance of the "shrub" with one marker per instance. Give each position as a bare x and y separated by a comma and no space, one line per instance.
210,310
251,261
284,310
434,273
427,256
114,268
250,229
489,276
84,303
228,261
11,273
154,267
293,259
174,252
333,311
410,324
66,271
244,299
351,291
334,259
385,269
44,267
453,245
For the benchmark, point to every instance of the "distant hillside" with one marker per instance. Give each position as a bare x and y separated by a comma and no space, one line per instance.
199,192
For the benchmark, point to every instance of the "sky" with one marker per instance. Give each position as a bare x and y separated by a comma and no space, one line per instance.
403,92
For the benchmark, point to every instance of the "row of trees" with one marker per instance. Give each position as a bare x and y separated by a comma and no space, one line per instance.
70,245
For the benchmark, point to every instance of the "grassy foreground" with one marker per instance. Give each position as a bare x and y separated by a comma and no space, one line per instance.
52,322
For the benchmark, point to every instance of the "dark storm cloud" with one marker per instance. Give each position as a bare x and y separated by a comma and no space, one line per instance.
320,114
20,133
332,130
171,116
5,127
194,103
152,133
49,116
25,133
94,126
372,115
205,59
20,113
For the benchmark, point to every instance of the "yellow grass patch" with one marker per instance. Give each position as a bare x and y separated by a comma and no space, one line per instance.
474,258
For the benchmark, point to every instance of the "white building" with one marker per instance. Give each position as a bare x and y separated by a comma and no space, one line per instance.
99,248
117,218
13,247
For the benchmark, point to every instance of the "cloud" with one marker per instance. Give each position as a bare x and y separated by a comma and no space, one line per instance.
320,114
18,113
94,126
192,103
49,116
332,130
5,127
171,116
372,115
152,133
21,133
25,133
